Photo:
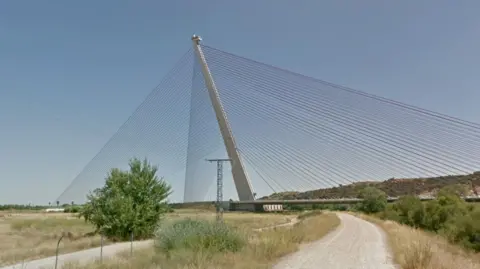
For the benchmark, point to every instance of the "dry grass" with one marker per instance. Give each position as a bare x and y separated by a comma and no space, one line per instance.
262,251
240,220
416,249
28,236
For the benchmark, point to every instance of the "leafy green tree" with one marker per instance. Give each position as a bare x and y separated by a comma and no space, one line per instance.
435,216
130,201
410,210
374,200
446,207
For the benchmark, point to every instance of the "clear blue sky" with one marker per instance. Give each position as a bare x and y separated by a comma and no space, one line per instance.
71,72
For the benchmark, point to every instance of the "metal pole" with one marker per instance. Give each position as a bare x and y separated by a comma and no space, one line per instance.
131,244
101,248
56,252
242,183
219,189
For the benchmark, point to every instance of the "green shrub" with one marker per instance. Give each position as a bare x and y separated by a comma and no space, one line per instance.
455,190
340,207
198,235
464,229
72,209
446,207
293,207
374,200
447,215
436,216
390,213
410,210
130,202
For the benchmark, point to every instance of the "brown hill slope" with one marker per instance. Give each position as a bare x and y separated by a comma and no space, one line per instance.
393,187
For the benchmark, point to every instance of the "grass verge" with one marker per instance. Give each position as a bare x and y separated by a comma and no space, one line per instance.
30,236
417,249
197,244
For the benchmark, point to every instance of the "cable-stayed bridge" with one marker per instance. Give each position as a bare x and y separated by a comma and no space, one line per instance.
284,132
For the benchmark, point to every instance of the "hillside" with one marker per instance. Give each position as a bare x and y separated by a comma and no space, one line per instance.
393,187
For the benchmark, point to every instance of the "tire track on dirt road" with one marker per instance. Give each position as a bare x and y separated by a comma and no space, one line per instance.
356,243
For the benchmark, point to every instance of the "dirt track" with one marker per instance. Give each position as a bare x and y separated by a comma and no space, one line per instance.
354,244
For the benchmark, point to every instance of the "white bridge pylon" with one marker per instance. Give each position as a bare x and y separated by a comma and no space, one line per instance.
240,176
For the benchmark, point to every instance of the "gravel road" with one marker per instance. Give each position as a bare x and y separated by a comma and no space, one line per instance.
354,244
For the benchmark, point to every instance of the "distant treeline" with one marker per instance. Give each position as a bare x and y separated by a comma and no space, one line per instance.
73,208
193,205
22,207
35,207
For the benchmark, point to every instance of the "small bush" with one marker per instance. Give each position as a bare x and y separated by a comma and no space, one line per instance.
72,209
293,207
198,235
340,208
390,213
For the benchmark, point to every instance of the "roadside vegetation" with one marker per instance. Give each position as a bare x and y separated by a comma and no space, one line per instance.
134,201
447,215
419,249
438,234
202,244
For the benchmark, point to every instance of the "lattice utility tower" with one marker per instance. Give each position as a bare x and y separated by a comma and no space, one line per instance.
219,185
240,177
